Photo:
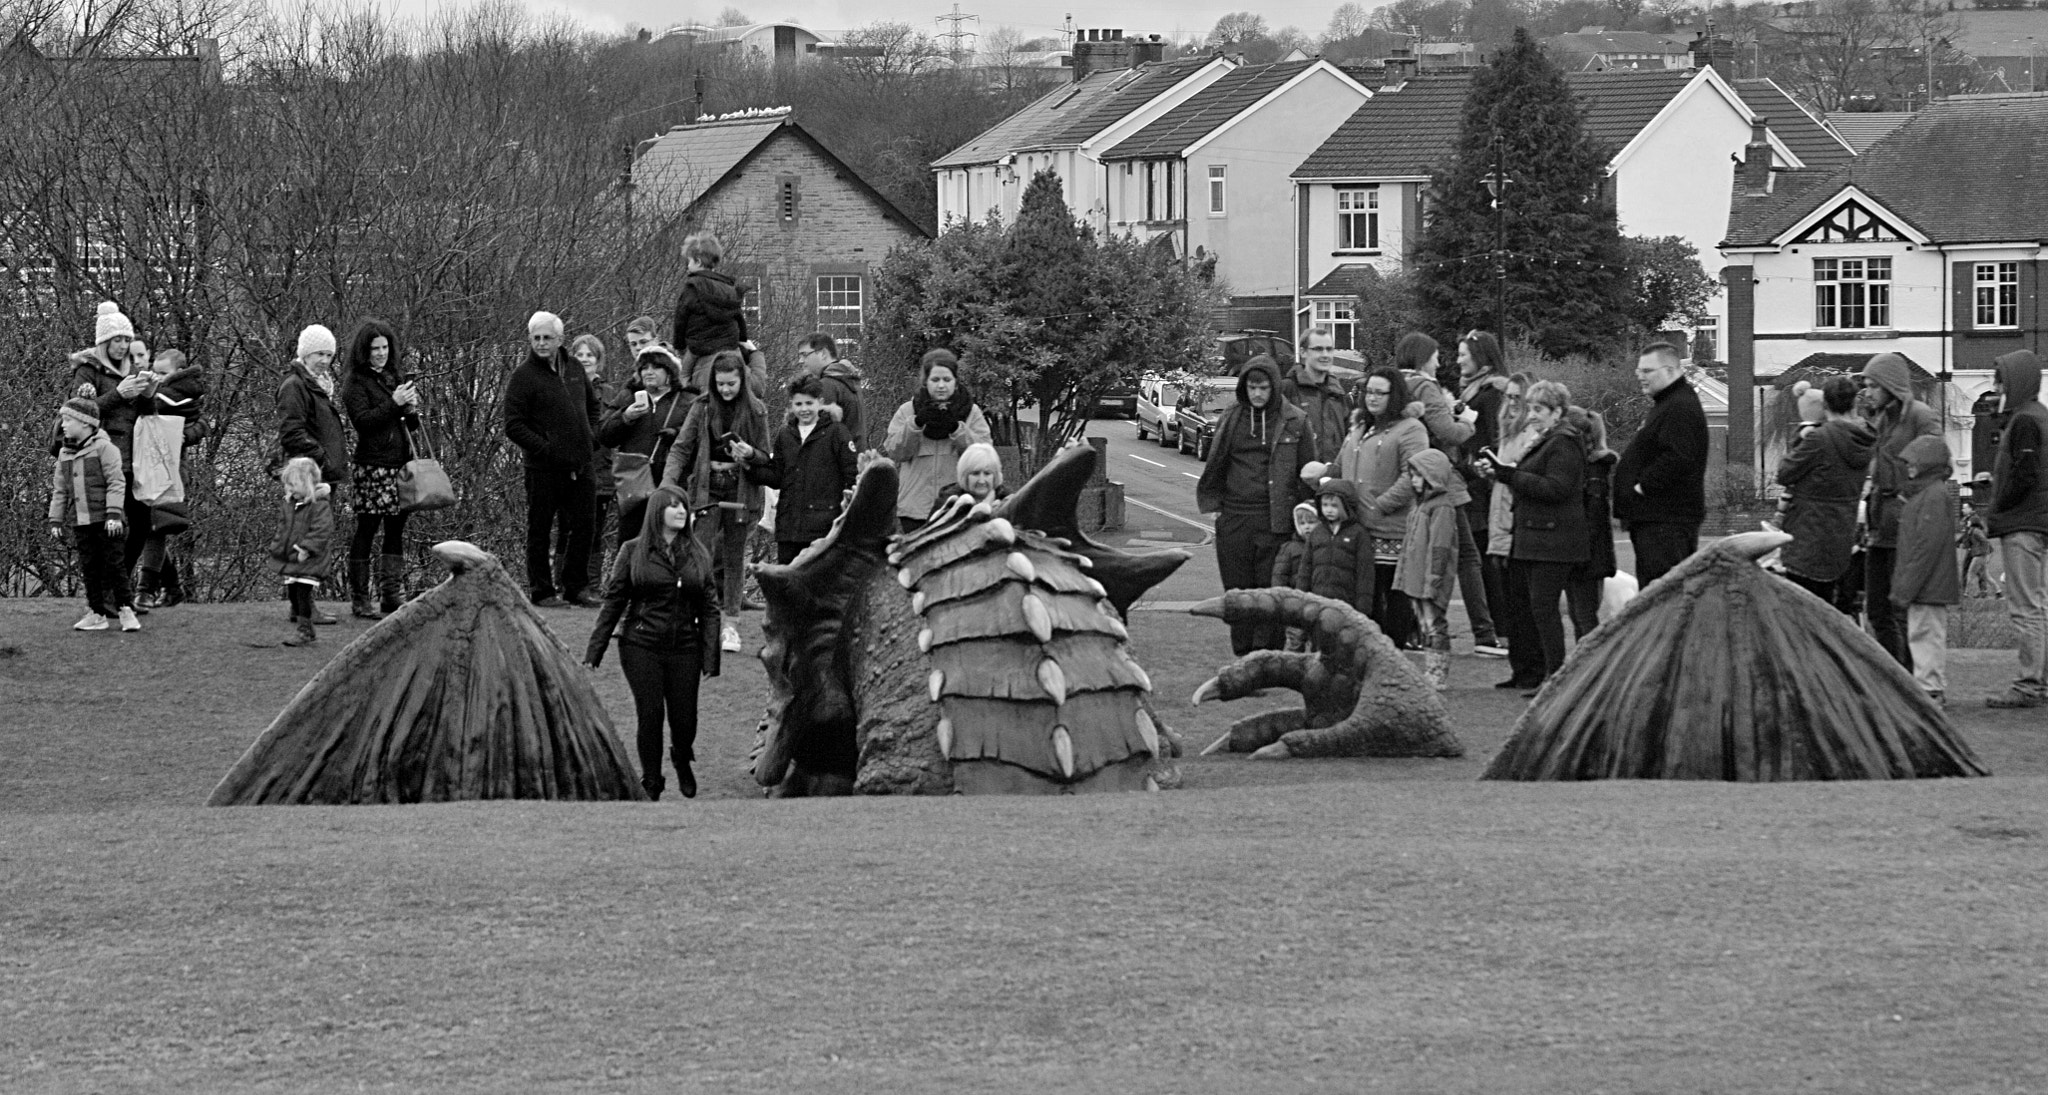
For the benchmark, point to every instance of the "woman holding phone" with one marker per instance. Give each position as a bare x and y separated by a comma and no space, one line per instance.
383,406
703,464
647,424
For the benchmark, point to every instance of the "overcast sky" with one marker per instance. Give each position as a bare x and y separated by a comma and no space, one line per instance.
1140,17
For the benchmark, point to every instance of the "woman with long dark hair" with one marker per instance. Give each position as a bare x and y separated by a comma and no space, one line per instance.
1374,457
382,405
929,432
703,463
1550,532
663,604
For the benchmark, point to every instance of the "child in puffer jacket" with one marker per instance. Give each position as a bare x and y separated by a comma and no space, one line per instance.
87,488
1287,568
1338,562
299,555
1428,570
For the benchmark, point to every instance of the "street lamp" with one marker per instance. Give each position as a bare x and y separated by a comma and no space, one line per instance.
1497,187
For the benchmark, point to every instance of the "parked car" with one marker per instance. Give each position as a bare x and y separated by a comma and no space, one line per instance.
1120,401
1156,398
1196,412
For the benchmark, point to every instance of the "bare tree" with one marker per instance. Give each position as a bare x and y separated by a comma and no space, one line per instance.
734,17
902,51
1238,28
1349,20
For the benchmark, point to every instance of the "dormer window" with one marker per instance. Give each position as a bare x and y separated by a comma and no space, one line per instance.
1851,224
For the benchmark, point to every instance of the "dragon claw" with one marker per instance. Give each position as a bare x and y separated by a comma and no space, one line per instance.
1211,689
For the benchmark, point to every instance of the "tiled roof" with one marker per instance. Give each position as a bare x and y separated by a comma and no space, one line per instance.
689,160
1345,281
1072,113
1964,170
1814,144
1208,109
1412,131
1862,130
1818,367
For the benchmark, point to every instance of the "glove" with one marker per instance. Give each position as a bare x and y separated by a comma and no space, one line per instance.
939,423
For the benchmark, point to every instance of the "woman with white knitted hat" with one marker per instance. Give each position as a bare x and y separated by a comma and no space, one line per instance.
307,423
105,373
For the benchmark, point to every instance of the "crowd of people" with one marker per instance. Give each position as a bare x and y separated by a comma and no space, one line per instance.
1393,495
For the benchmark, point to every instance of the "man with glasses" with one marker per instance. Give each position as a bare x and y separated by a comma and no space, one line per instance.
1660,485
1311,387
818,356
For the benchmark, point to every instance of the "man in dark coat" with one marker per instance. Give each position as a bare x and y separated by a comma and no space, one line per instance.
1660,484
2019,518
1251,482
1898,418
551,414
818,356
1311,388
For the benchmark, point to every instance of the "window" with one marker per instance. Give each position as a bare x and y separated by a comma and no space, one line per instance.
750,301
1337,316
1358,219
786,200
1216,190
1706,342
839,309
1998,294
1852,294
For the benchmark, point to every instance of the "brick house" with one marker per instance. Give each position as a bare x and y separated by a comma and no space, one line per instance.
1928,245
801,229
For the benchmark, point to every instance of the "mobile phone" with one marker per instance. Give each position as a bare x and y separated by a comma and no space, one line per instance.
1487,452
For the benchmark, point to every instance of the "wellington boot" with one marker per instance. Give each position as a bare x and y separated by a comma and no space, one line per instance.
359,603
303,633
390,582
1437,667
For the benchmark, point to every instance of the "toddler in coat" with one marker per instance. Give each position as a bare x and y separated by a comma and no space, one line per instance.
1287,568
1338,561
299,554
87,489
1428,570
1925,579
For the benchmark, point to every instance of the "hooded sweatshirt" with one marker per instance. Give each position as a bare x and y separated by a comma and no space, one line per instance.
1925,571
1339,562
1287,561
1902,420
1823,476
2019,474
1428,570
1256,456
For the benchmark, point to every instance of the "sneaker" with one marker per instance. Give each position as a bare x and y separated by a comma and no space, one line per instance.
128,620
729,641
549,601
91,621
1490,650
2015,698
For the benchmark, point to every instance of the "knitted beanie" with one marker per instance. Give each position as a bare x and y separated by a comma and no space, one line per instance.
81,410
544,323
110,323
315,340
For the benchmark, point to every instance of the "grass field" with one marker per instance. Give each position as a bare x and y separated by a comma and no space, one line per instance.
1288,926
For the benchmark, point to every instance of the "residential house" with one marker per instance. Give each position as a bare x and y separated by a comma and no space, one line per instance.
1204,179
802,229
1597,49
1119,87
1360,198
1927,245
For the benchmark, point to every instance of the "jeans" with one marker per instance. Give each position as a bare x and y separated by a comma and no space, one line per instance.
1245,547
1660,545
1824,590
2025,555
1472,584
1546,586
568,496
139,518
1885,621
664,686
1927,636
99,563
723,532
1525,646
1582,597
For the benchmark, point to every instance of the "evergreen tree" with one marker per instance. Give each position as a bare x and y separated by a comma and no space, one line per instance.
1566,272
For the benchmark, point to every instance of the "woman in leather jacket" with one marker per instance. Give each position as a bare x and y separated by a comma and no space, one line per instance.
662,602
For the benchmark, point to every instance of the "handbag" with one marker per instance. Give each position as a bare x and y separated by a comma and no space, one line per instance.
158,443
422,484
169,518
633,472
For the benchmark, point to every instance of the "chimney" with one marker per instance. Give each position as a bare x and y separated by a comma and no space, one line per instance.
1103,51
1756,159
1401,66
1710,50
1150,51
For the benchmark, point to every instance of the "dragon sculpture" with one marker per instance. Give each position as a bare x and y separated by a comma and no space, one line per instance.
984,652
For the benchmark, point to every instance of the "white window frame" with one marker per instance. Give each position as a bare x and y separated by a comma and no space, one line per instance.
831,295
1217,204
1852,294
1340,316
1356,205
1996,298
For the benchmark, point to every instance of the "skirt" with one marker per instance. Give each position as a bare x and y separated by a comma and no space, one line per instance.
376,491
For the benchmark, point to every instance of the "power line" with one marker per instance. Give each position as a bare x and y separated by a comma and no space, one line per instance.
960,39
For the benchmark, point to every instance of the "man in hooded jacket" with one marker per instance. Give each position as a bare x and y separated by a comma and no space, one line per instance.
1252,481
1898,418
2018,516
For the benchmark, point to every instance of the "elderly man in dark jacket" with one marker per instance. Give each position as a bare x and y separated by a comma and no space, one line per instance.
551,414
1251,482
1898,418
2019,518
1660,484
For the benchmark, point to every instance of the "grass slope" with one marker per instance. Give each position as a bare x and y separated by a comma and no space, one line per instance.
1294,926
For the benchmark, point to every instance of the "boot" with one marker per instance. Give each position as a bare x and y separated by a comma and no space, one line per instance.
1437,667
390,582
146,596
359,601
653,786
304,633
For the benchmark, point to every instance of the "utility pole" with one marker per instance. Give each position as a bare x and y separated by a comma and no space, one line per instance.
626,186
1497,186
1067,33
957,39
